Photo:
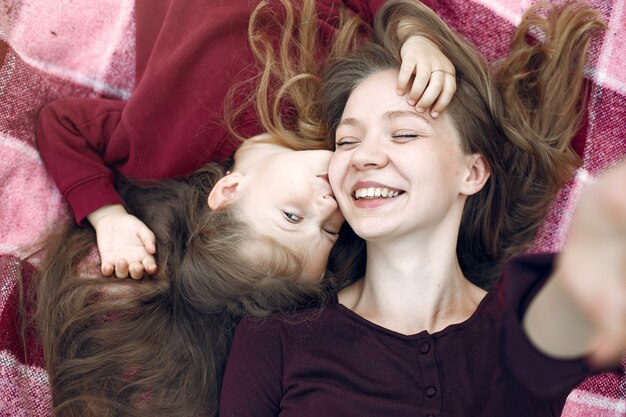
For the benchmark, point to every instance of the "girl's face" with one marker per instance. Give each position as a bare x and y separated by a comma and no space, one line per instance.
286,195
395,171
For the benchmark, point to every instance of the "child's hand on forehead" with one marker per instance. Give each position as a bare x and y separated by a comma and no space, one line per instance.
126,245
435,81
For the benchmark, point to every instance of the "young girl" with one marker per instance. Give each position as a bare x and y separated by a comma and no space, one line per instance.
158,347
188,55
441,204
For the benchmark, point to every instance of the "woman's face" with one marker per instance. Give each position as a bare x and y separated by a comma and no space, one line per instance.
286,195
395,171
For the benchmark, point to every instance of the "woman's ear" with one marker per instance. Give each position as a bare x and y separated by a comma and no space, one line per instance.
225,191
478,172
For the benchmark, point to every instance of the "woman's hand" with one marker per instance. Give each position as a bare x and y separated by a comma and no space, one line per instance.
126,244
581,310
592,266
434,84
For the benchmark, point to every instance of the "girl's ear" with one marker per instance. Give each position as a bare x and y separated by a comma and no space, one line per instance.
225,191
478,172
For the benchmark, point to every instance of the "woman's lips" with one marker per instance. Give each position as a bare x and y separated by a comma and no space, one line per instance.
369,194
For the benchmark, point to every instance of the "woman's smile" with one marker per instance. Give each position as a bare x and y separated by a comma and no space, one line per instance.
393,171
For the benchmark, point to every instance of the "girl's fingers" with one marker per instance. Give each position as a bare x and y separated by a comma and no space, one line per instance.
420,83
449,88
149,240
431,89
404,76
149,265
107,269
121,268
435,86
136,270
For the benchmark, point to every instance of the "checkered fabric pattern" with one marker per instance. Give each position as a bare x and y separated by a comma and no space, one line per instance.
51,49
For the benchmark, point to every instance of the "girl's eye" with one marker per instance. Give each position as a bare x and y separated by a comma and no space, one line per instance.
292,218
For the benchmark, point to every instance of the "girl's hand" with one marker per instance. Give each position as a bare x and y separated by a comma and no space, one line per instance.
125,243
435,80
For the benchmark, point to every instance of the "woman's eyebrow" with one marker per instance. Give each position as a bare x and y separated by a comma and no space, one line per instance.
392,114
404,113
350,121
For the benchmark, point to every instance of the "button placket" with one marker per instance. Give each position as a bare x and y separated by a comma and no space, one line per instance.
430,377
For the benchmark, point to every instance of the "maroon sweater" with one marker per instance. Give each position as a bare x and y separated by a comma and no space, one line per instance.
332,362
189,53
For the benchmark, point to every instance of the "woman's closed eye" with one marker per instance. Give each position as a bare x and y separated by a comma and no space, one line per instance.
291,217
405,136
345,142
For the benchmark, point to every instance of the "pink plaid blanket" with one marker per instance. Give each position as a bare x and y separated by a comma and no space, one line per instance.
57,48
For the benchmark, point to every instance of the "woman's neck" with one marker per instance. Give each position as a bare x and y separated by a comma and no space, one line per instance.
410,287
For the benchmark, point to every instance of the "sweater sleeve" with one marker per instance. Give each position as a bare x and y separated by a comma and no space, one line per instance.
365,9
542,375
252,385
80,140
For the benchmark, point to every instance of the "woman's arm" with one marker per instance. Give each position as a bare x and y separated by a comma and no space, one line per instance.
582,309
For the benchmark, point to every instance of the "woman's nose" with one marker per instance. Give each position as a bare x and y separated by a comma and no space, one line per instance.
369,154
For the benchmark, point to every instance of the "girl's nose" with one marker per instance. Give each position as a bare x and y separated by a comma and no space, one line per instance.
333,220
327,205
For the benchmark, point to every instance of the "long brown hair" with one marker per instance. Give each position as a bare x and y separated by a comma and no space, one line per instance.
521,117
158,347
284,40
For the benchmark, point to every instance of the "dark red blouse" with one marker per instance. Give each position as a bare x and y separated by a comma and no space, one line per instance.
189,54
332,362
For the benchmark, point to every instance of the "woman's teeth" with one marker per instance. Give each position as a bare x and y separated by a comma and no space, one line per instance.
372,192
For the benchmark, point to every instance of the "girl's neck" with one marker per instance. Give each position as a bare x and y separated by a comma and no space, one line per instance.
253,151
413,287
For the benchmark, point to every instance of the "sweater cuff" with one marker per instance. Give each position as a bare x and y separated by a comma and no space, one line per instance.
543,376
89,196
